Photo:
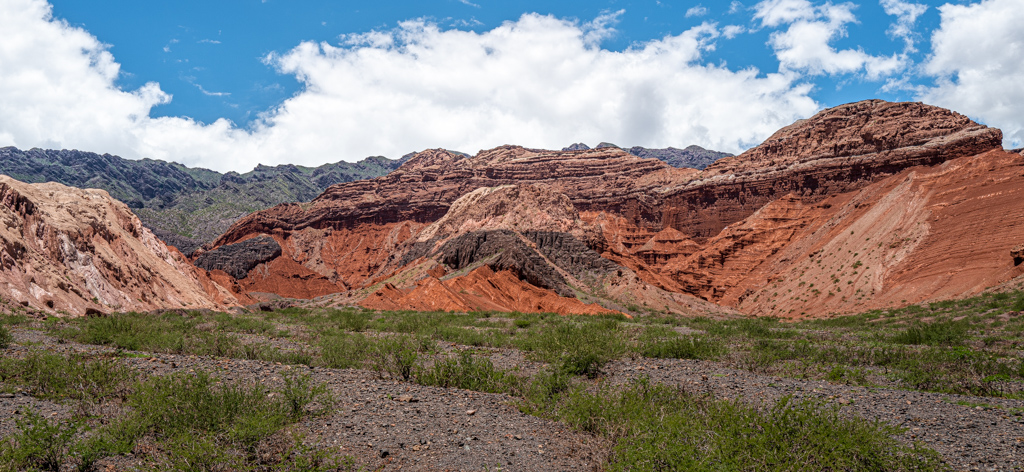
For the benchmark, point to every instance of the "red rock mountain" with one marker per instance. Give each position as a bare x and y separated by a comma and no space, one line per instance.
863,205
70,251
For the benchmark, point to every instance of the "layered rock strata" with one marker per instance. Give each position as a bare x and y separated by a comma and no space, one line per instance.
838,150
70,251
636,231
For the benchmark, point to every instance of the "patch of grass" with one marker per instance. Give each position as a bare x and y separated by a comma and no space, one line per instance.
344,351
6,338
203,424
683,347
468,372
177,333
39,444
56,377
576,346
939,333
348,320
655,427
240,324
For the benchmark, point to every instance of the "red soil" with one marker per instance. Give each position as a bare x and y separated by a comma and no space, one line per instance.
480,290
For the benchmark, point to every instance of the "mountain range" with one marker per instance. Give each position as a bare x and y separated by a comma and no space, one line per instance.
866,205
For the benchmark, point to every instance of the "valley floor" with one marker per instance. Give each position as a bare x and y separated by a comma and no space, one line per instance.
378,421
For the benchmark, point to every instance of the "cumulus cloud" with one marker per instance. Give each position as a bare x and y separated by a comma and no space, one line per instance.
805,45
980,74
696,11
539,81
906,14
731,31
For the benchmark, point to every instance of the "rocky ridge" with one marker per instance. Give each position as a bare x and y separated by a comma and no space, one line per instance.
692,156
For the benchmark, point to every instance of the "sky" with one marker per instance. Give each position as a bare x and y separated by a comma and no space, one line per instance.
231,84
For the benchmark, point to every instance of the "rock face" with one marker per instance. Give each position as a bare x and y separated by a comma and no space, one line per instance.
603,225
239,258
424,188
838,150
71,251
927,233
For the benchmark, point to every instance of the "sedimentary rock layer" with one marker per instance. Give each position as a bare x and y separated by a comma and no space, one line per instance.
70,251
631,231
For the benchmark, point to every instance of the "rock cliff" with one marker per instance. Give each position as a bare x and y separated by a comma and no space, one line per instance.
838,150
70,251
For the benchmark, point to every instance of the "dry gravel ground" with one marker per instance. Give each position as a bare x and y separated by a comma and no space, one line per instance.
391,425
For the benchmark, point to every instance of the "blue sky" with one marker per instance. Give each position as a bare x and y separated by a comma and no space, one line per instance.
209,54
230,84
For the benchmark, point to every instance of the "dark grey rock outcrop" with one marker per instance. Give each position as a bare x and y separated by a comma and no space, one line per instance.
239,258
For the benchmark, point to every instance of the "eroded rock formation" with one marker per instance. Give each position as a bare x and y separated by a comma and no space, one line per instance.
239,258
70,251
776,230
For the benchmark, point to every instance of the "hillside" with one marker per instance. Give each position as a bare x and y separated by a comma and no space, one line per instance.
71,251
634,234
185,207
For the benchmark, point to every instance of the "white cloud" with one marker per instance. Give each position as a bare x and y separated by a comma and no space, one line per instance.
209,93
774,13
539,81
976,59
208,41
601,28
696,11
735,7
467,2
906,14
805,45
731,31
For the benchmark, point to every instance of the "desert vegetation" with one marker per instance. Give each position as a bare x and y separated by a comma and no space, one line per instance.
558,370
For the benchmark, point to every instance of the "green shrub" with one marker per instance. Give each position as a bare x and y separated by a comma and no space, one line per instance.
685,347
468,372
578,347
939,333
396,355
344,351
299,392
6,338
53,376
39,444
